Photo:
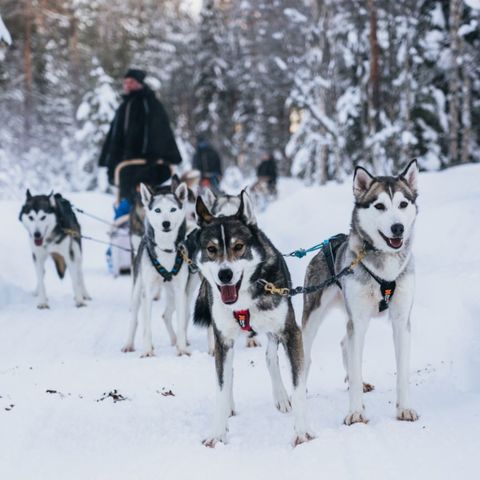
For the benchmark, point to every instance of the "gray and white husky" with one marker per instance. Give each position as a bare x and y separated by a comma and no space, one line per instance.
224,205
159,268
233,254
382,226
54,231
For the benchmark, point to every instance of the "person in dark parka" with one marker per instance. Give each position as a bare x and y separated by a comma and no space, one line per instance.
140,128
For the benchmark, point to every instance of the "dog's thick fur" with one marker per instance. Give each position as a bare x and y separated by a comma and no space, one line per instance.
54,230
165,228
383,224
232,252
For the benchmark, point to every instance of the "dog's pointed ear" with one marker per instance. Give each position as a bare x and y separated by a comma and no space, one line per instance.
145,195
362,181
175,182
203,213
410,175
28,194
51,198
209,198
245,210
181,192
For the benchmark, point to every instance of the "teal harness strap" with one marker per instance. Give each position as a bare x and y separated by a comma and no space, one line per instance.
162,271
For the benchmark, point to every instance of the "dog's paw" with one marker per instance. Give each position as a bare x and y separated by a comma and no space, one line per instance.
87,297
43,305
355,417
253,343
212,441
407,414
147,354
302,438
183,351
80,303
368,387
282,403
128,348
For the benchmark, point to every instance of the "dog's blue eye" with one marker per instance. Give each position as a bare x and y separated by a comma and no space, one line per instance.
403,204
173,209
380,206
157,210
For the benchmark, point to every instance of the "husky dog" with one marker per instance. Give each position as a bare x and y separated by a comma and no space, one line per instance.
225,205
382,228
159,267
233,255
54,230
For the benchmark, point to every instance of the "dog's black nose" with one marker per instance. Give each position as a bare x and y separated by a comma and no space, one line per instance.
397,229
166,225
225,275
37,235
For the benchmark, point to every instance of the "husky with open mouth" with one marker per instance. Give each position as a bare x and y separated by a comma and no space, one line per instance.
233,255
54,231
224,205
381,239
159,268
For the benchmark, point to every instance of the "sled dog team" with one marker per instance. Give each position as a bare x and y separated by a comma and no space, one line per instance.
227,263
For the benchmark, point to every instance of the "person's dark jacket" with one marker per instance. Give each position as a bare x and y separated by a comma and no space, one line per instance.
267,168
140,129
207,160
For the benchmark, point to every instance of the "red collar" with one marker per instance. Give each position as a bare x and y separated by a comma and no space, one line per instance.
243,319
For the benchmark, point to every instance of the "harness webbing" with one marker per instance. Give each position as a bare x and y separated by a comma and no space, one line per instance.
387,289
243,319
161,270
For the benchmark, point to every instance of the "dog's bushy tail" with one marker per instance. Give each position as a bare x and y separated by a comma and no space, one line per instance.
202,314
60,264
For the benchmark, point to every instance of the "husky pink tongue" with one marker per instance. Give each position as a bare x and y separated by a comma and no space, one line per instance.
38,241
229,293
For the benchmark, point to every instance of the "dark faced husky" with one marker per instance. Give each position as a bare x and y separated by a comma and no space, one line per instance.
382,228
54,230
159,268
233,255
225,205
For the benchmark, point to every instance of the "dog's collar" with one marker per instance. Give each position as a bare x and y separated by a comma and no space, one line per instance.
387,289
161,270
243,319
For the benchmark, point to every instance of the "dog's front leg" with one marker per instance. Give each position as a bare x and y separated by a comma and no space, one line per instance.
280,396
401,338
146,307
39,261
181,309
355,339
293,343
224,398
136,300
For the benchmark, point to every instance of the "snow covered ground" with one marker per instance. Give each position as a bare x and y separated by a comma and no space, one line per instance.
76,354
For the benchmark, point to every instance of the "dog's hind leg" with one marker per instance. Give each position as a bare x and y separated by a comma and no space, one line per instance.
39,259
85,294
280,396
224,400
292,341
367,387
136,299
167,318
355,340
72,260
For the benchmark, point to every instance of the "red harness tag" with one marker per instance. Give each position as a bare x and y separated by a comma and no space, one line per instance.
243,319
